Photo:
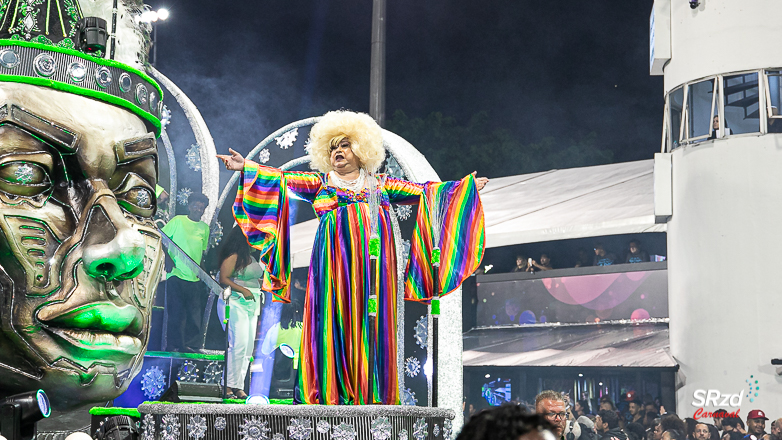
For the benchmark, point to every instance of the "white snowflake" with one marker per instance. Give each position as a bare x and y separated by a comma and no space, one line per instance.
420,429
183,195
308,145
393,169
153,383
165,116
412,366
148,427
422,332
254,429
143,198
193,157
403,435
278,436
323,426
300,429
220,423
188,372
408,397
215,234
24,174
196,428
343,431
213,373
447,428
169,427
286,140
381,428
404,211
436,430
264,155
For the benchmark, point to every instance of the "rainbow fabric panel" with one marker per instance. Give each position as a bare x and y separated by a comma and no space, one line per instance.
261,210
461,242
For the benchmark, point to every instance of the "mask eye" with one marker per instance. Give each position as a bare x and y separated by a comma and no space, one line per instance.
138,200
22,178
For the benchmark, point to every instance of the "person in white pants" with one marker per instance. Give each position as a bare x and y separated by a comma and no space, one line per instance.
242,272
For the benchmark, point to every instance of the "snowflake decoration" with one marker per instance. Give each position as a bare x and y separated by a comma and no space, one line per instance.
148,427
193,157
404,211
183,195
215,234
213,373
422,332
220,423
381,429
308,145
188,372
323,426
286,140
254,429
393,169
412,366
447,428
436,430
408,397
264,155
420,429
344,431
165,116
403,435
143,198
278,436
153,383
197,427
300,429
169,427
24,174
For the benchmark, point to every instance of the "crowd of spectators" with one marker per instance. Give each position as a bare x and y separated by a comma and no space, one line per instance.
599,257
554,418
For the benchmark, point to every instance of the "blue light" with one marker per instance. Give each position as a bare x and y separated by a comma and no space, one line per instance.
287,350
43,403
257,399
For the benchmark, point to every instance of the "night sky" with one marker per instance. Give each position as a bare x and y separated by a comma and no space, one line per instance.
539,68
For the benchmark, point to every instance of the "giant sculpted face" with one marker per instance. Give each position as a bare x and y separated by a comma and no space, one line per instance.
79,255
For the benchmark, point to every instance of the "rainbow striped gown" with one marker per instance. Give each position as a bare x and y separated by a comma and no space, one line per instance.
335,339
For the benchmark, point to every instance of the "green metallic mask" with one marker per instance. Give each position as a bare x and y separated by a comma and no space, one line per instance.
80,257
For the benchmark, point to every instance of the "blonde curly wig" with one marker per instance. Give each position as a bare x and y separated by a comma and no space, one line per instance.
365,136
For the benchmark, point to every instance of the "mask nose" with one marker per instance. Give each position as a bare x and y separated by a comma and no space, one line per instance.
112,250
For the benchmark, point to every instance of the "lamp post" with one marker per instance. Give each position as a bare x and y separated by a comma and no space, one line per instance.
152,17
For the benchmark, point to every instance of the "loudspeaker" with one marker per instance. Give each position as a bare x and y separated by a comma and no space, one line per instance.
193,392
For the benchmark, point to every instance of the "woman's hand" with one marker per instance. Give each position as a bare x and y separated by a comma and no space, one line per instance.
480,182
233,161
247,294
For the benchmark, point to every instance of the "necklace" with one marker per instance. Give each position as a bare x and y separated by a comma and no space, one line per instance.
355,185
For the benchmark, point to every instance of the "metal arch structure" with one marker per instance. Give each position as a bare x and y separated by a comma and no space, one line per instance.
172,175
210,175
416,168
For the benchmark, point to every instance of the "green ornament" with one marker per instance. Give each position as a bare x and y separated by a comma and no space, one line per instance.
372,305
436,256
227,314
374,247
435,306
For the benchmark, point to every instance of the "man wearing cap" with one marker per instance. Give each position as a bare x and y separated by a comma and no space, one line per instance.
756,425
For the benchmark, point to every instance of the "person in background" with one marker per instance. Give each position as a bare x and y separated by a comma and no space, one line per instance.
506,422
701,431
186,296
636,255
551,405
756,425
673,434
545,264
776,430
656,430
690,423
603,258
584,258
732,428
650,407
607,403
607,424
715,126
582,408
521,264
635,431
634,410
241,272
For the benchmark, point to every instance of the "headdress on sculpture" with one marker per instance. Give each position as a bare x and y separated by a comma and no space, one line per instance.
84,47
365,135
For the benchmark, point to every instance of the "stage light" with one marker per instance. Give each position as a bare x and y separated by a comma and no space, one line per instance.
580,374
428,368
162,14
601,384
20,412
487,376
287,350
257,399
91,34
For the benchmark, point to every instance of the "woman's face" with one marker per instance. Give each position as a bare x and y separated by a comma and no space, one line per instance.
715,124
342,158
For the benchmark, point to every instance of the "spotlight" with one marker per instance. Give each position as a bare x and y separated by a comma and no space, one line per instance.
20,412
162,14
287,350
257,399
694,4
91,34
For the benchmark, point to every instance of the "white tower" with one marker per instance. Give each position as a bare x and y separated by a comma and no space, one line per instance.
721,193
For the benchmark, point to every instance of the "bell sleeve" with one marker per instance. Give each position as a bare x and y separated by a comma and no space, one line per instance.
457,208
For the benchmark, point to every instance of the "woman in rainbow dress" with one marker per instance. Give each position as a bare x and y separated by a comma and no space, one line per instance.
353,204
